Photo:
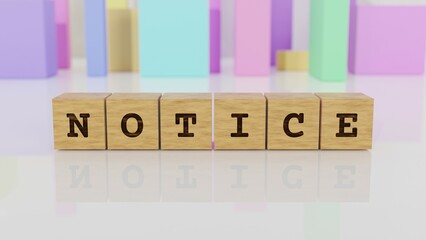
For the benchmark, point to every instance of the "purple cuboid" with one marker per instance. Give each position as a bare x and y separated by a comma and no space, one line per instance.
27,39
387,40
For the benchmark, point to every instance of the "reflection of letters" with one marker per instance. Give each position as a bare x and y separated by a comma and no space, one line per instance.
239,171
84,128
185,183
133,182
186,117
286,126
239,117
343,124
286,179
76,181
344,174
124,125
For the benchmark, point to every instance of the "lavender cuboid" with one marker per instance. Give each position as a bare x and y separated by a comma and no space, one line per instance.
28,39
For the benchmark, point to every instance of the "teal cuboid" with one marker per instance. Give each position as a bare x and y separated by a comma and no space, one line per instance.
174,38
329,36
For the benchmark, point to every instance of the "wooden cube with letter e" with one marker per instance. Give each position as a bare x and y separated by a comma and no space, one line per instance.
132,120
293,120
240,121
186,121
346,121
79,121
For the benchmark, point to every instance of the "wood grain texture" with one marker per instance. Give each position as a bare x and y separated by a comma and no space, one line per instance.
227,104
292,60
281,106
144,105
346,103
120,52
80,103
199,104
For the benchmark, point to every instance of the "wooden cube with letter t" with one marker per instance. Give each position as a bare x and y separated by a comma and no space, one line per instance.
240,121
293,120
186,121
79,121
346,121
132,120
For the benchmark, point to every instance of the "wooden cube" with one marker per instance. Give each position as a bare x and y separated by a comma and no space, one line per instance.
132,120
293,121
292,60
240,121
186,121
346,121
79,121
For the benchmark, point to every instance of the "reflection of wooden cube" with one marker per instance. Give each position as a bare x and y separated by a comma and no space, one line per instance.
186,121
293,120
28,46
132,120
292,60
79,121
346,121
240,121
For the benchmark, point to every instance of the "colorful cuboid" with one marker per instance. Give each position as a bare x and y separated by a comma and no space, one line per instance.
63,33
281,38
123,37
387,40
28,39
174,38
96,41
215,46
328,47
292,60
252,37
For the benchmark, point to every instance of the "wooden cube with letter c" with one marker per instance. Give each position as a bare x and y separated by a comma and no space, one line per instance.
239,121
293,120
346,121
186,121
79,121
132,120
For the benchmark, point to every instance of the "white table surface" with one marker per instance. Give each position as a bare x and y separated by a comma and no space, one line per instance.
377,194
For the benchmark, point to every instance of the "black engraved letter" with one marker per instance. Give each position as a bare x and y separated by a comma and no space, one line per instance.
300,117
186,117
124,125
84,129
239,117
343,125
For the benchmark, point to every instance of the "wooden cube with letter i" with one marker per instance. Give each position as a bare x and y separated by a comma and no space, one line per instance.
186,121
79,121
239,121
346,121
132,120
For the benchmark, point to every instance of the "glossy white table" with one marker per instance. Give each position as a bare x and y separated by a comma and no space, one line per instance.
47,194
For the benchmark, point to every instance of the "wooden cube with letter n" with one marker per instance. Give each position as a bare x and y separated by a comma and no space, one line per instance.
346,121
240,121
186,121
132,120
293,120
79,121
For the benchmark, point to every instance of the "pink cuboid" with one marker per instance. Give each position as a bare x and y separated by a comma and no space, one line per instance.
387,40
